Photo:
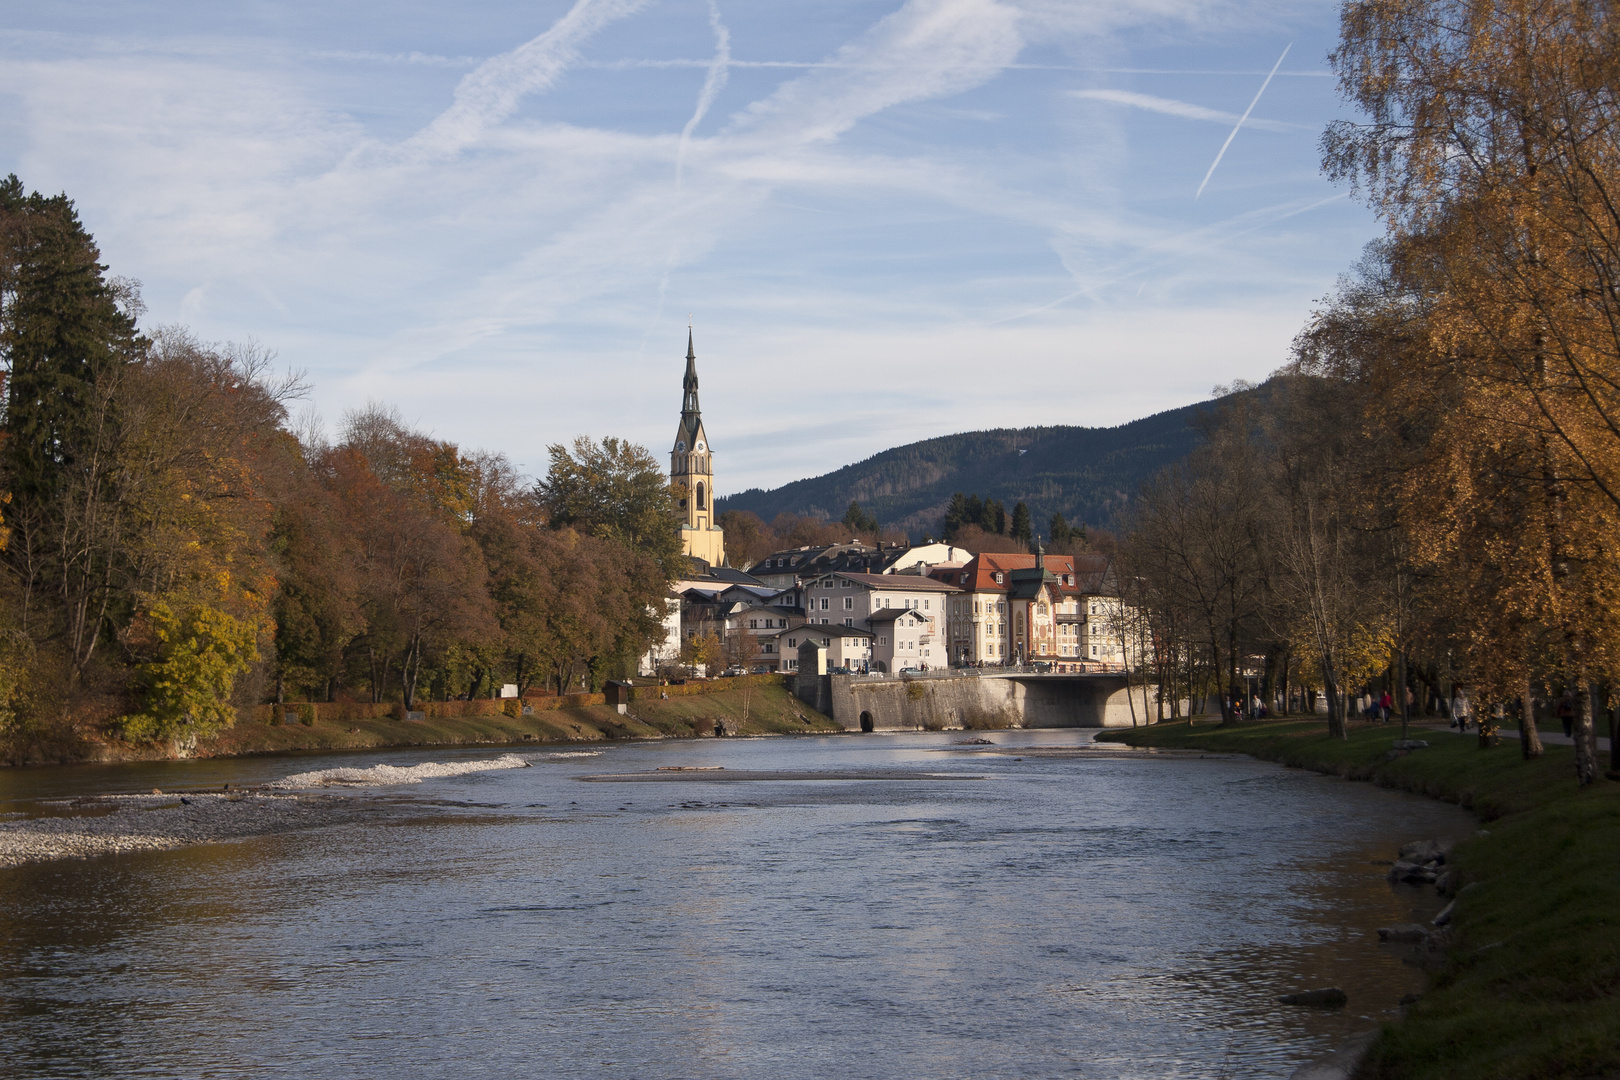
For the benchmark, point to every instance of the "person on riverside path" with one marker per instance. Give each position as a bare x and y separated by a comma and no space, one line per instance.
1566,714
1460,711
1386,705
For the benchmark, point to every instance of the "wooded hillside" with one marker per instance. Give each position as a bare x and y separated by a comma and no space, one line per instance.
1085,474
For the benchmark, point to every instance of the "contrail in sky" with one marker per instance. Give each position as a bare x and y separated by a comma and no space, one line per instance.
1242,118
713,83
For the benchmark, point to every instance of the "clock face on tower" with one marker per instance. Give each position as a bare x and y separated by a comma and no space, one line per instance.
700,447
680,446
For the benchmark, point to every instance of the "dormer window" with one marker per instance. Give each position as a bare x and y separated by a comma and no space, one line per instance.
997,577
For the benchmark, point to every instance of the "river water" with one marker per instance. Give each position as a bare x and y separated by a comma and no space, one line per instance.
1031,914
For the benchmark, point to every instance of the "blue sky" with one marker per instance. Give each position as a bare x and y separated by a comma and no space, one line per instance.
888,219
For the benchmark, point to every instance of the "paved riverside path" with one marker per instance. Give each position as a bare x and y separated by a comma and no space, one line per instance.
1551,738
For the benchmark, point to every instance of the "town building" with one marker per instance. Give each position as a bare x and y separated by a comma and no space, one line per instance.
869,602
691,472
848,648
1018,608
787,568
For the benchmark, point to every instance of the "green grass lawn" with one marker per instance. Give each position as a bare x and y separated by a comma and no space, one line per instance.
1530,987
761,710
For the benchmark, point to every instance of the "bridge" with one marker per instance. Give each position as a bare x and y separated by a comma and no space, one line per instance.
994,698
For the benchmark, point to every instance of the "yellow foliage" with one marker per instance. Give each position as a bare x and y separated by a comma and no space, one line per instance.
201,651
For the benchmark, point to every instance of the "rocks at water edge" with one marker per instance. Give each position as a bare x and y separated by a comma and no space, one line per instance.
1420,862
1330,997
1444,917
1404,933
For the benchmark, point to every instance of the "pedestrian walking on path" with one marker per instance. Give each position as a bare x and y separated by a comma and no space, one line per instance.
1460,710
1566,714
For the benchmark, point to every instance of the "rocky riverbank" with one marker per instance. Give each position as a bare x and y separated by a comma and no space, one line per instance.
110,824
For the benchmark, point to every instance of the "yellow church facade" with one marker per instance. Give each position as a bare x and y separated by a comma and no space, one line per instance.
691,473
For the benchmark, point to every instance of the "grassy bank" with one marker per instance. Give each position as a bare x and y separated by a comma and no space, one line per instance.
764,708
1530,985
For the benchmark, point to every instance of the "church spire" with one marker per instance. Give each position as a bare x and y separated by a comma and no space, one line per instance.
690,413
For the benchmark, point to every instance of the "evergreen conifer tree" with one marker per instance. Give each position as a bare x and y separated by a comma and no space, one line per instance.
1020,523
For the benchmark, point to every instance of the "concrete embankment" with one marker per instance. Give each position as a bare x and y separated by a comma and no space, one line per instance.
973,700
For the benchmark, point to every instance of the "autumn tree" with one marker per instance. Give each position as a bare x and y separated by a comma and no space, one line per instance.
613,489
1490,148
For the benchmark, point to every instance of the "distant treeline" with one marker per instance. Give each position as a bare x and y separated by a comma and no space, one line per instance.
981,524
173,549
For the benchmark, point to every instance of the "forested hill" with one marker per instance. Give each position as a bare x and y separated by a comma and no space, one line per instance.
1085,474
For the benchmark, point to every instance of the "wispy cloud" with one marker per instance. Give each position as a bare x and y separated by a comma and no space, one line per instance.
1182,109
420,58
490,92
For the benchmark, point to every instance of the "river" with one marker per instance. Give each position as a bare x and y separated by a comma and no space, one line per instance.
1025,913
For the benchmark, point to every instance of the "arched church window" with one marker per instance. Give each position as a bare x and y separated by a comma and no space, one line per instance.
701,504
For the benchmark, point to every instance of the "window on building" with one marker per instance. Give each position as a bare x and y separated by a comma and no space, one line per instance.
997,577
1094,650
849,622
793,643
844,583
884,640
849,603
925,605
753,624
701,504
827,642
823,603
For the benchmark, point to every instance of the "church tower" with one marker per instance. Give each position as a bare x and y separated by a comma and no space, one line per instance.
691,472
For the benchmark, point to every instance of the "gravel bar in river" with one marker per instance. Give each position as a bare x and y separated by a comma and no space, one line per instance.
107,824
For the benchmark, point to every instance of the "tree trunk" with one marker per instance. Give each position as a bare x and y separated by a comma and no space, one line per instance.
1586,759
1614,743
1337,729
1406,709
1529,737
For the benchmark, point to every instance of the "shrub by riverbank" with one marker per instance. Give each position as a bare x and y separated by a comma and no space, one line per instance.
759,705
1530,983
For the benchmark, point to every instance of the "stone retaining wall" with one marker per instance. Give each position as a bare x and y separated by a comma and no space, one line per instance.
944,703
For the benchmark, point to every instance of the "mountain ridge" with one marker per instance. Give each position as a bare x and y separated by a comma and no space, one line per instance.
1086,474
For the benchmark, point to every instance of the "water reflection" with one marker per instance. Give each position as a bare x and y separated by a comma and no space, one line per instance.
1119,918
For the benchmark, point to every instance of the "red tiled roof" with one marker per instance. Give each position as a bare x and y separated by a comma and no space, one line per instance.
977,576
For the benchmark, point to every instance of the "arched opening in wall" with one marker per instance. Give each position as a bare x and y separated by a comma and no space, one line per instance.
866,721
701,505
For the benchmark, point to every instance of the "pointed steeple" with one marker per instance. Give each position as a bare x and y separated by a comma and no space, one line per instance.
690,413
